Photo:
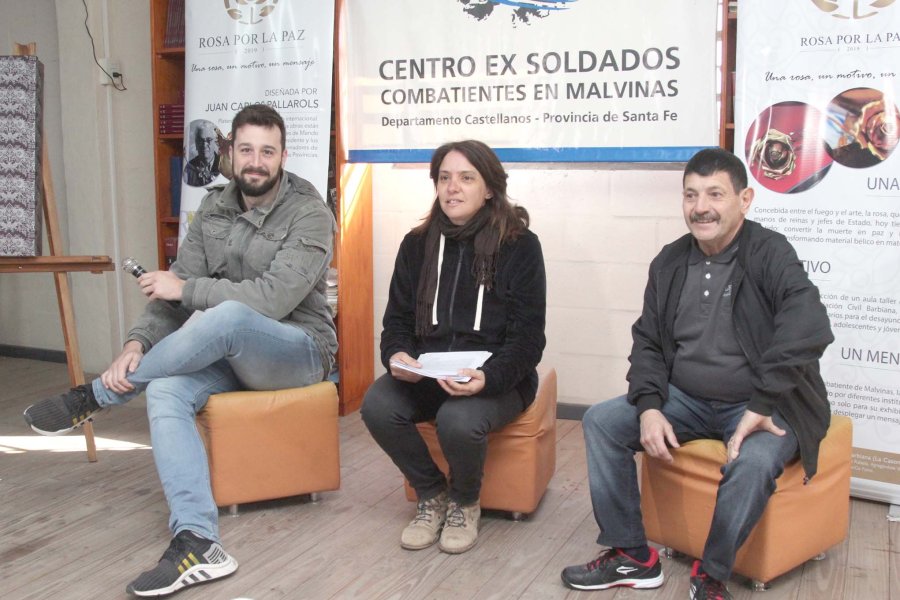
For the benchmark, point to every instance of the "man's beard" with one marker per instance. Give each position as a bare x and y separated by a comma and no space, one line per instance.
255,190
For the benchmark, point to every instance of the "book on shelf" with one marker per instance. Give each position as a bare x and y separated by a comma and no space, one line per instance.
171,126
176,164
174,36
171,118
170,249
171,129
731,95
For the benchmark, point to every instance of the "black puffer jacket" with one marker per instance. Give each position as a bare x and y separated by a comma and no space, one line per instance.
780,322
512,319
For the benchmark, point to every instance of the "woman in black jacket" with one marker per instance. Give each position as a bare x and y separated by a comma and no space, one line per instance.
469,277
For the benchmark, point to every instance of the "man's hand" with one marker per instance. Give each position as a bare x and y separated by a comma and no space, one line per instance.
655,432
161,285
749,423
113,378
403,374
469,388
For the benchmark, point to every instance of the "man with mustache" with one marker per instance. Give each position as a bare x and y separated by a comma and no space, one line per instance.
253,266
727,347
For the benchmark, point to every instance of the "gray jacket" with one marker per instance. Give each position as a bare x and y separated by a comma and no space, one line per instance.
273,260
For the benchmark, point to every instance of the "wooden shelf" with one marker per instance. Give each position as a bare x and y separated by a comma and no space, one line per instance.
55,264
171,52
353,242
727,69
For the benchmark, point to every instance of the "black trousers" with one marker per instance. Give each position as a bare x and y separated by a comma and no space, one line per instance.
391,410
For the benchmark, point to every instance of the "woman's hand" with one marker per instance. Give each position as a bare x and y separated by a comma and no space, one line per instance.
114,378
469,388
402,374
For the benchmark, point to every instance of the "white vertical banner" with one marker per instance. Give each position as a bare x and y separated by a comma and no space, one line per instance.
817,123
264,51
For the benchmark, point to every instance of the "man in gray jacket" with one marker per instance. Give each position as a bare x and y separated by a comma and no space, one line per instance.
253,264
727,347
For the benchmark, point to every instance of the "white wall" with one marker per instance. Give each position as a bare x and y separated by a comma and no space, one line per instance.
27,301
599,229
101,158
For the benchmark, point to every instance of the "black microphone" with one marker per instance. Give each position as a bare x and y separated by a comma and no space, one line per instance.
130,265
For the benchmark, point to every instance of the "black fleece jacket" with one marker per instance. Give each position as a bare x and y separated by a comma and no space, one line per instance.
780,322
513,311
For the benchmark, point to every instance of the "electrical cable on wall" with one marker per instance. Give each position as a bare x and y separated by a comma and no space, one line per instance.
117,79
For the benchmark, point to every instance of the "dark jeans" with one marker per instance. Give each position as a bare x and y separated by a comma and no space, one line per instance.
612,434
391,410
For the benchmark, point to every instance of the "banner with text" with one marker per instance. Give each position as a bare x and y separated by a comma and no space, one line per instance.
817,124
269,52
538,80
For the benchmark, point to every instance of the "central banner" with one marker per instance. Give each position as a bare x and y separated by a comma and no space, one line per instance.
554,80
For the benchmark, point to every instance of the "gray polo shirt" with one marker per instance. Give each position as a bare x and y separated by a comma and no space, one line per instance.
709,363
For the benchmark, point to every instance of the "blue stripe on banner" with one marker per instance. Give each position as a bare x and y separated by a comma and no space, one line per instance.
542,4
636,154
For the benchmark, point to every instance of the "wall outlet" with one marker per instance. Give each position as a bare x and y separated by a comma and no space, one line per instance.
110,66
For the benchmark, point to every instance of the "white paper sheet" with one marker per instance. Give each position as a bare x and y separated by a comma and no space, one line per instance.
446,364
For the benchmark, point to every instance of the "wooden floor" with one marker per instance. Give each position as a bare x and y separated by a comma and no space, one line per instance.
74,530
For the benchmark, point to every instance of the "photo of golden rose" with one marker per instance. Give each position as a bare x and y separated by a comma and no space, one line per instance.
774,153
863,127
878,128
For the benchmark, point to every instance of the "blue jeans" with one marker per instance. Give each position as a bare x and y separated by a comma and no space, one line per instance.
612,434
228,347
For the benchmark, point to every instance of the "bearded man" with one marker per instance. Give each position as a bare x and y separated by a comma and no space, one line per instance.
251,271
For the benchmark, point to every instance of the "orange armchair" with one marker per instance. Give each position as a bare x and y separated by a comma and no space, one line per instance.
521,457
263,445
800,521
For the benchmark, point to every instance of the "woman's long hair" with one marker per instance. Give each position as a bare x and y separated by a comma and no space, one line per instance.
496,222
508,219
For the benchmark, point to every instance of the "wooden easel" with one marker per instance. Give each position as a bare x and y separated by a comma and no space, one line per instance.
60,266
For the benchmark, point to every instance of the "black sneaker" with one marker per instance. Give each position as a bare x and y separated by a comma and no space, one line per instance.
190,559
61,414
615,568
704,587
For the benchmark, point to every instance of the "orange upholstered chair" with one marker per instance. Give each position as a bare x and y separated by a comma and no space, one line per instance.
800,521
263,445
521,457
